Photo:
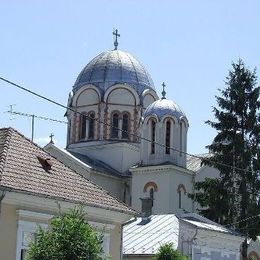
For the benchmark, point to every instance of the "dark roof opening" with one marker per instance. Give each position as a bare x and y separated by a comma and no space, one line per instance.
45,162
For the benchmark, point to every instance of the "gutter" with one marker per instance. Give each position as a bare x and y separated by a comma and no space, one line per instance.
121,240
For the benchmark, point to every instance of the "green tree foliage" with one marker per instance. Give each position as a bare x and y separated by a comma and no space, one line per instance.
235,195
69,237
167,252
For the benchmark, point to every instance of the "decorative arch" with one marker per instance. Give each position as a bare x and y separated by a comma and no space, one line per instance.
125,87
150,184
181,187
82,90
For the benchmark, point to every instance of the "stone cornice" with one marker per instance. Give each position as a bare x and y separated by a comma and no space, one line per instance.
160,168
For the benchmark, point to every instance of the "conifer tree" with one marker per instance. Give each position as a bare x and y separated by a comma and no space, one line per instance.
235,152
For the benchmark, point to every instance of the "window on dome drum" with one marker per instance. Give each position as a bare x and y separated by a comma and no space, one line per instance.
91,125
125,126
115,125
153,136
181,139
168,137
83,126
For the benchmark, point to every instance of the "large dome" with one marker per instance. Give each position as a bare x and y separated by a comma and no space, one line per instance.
112,67
163,107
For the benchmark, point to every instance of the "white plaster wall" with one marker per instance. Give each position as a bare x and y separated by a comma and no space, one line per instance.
87,97
161,197
113,185
121,96
148,99
177,178
208,245
120,156
206,172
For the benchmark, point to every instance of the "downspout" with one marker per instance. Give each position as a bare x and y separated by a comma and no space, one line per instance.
189,242
121,243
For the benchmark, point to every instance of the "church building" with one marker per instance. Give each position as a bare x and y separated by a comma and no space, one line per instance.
127,138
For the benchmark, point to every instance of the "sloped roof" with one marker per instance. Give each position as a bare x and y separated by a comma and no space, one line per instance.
145,237
21,171
194,162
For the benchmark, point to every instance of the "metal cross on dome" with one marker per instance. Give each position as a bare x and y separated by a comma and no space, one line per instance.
115,32
163,92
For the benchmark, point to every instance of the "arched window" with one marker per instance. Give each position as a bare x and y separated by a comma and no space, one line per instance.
125,126
181,139
83,123
91,125
151,195
168,137
181,190
115,125
153,124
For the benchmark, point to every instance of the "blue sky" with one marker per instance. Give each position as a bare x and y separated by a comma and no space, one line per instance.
188,44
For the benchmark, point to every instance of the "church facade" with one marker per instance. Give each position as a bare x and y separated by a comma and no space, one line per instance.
124,137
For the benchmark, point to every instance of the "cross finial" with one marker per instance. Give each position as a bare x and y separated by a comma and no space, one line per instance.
163,92
115,32
51,136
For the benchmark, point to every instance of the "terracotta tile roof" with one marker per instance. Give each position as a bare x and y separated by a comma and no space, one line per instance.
22,171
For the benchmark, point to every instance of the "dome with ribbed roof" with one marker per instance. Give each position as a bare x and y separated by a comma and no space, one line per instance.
163,107
113,67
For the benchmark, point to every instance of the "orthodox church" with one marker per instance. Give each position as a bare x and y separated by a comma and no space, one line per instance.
128,140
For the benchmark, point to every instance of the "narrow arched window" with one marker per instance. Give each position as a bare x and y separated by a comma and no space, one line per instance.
115,125
179,193
125,126
168,137
151,194
181,139
91,125
153,136
83,122
181,190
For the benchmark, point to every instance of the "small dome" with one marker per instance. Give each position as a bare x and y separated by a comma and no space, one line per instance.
163,107
112,67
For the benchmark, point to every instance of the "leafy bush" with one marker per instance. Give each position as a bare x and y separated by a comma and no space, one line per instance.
167,252
69,237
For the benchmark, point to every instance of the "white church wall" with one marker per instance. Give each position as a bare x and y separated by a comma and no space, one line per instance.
111,184
161,197
87,97
120,156
180,181
206,172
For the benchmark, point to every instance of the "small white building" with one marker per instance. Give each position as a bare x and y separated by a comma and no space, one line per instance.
194,236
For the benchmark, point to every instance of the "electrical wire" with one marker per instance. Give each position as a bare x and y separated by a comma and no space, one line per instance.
112,126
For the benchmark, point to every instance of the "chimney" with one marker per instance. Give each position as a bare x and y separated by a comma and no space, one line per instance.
147,205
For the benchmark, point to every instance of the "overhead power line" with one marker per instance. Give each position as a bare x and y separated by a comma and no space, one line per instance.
125,131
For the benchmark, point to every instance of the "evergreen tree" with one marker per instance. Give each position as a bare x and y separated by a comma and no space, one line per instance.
69,237
235,152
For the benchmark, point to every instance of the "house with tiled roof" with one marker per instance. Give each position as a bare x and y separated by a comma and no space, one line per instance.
34,186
